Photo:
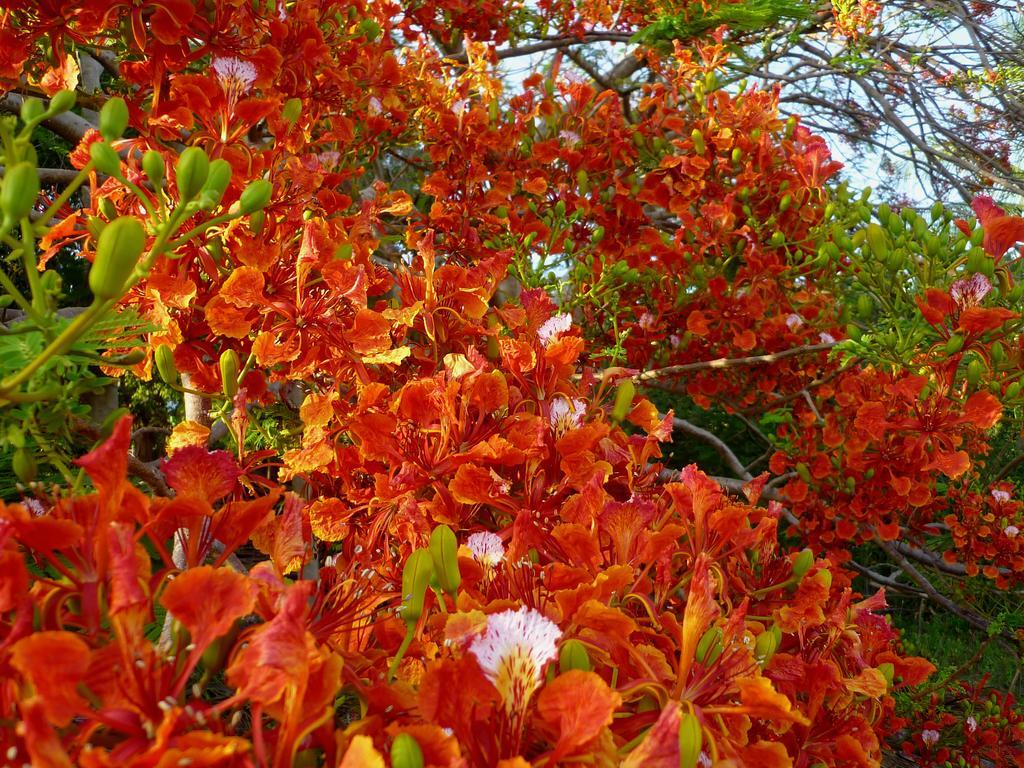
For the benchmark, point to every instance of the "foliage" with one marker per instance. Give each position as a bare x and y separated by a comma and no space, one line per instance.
419,510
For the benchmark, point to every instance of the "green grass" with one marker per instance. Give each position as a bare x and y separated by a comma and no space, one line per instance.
949,642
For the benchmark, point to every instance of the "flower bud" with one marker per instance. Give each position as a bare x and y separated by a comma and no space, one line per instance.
229,372
165,365
191,171
416,575
623,399
153,165
61,101
105,159
444,554
877,241
698,141
31,108
25,467
955,344
216,184
292,110
803,562
766,645
255,196
709,647
117,253
406,752
20,191
113,119
573,655
691,740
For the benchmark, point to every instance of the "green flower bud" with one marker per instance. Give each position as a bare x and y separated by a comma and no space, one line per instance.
936,211
877,241
229,364
977,236
698,141
61,101
25,467
444,554
31,109
255,196
709,647
803,562
113,119
766,644
191,171
582,181
406,752
888,672
153,165
573,655
20,191
105,159
691,740
623,400
164,358
117,253
975,369
955,344
216,184
292,110
597,236
785,202
416,575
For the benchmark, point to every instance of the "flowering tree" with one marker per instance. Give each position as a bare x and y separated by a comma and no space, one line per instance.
428,500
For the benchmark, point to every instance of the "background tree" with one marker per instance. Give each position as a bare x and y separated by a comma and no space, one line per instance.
408,306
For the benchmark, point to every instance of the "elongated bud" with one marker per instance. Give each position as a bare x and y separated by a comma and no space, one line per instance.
698,141
766,645
117,253
229,372
129,359
406,752
583,181
61,101
444,554
20,191
977,236
803,562
105,159
255,196
31,108
877,241
292,110
623,399
573,655
785,202
216,184
791,127
955,344
164,357
191,171
691,740
25,467
597,236
975,369
709,647
113,119
153,165
416,575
